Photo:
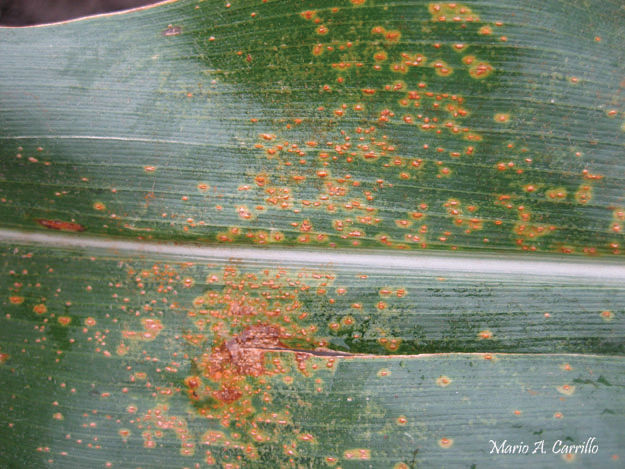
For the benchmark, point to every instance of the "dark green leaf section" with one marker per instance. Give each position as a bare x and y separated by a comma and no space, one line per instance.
409,125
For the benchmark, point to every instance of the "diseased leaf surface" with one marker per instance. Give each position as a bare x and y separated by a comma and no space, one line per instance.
362,124
408,125
125,357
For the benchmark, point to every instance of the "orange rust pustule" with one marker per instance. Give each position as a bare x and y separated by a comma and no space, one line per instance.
60,225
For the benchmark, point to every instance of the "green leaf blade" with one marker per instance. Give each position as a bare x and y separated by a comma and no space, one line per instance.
157,357
250,125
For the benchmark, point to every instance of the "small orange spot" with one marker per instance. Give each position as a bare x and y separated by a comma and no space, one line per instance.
485,334
392,36
607,315
468,59
64,320
479,70
99,206
380,56
322,30
401,420
501,117
566,389
445,442
443,381
16,300
40,308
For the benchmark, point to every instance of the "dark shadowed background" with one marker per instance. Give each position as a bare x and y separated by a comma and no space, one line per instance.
28,12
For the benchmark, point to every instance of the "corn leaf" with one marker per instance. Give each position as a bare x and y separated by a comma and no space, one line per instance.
314,234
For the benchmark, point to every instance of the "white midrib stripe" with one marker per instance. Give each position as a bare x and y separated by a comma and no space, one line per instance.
101,137
606,270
